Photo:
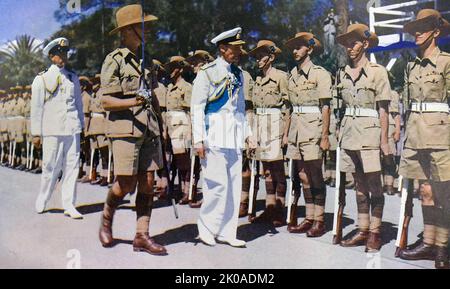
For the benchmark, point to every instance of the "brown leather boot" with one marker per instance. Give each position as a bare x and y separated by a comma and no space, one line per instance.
103,182
421,252
266,217
317,230
184,200
94,177
243,210
360,239
441,261
105,233
304,227
143,243
373,243
278,218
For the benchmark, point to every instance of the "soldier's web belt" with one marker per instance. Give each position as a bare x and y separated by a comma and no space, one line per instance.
269,110
356,111
306,109
429,107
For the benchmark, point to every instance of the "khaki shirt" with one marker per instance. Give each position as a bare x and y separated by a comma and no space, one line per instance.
27,108
393,111
270,91
179,124
120,77
307,87
17,106
371,86
97,122
3,124
428,80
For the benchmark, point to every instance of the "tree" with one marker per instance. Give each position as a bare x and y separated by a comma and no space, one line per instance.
21,61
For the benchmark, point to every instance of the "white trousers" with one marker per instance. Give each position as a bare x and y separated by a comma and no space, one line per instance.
222,185
60,154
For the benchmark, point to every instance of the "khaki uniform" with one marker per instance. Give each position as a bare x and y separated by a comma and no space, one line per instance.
362,133
96,126
179,125
27,114
393,111
20,121
86,98
135,131
306,88
426,154
3,122
10,119
269,96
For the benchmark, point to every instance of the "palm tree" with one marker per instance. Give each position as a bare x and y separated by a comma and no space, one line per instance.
20,61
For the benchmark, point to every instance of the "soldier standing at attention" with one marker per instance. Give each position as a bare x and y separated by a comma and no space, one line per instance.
310,95
366,93
86,91
96,130
270,100
179,127
426,153
133,127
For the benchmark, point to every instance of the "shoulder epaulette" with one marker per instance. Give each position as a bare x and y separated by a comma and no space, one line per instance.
42,72
209,65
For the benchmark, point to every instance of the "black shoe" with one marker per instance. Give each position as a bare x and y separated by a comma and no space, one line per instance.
421,252
21,168
332,183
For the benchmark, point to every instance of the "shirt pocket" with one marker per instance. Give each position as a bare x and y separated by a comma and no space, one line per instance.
370,132
437,130
130,84
366,96
434,86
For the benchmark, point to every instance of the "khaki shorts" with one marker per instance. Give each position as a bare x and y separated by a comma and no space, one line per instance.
368,159
4,136
307,151
99,141
136,155
427,164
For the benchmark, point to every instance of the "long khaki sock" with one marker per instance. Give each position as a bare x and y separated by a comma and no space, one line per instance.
441,237
144,205
429,234
319,212
271,200
375,225
363,222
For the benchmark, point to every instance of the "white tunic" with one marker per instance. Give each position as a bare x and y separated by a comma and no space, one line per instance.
226,128
56,104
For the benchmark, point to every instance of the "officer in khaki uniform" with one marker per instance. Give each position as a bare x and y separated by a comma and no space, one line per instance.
27,126
246,157
366,93
179,127
389,166
270,100
133,127
426,153
310,95
86,91
96,130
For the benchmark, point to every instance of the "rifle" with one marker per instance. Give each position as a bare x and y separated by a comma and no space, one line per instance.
292,198
191,180
406,205
145,93
339,195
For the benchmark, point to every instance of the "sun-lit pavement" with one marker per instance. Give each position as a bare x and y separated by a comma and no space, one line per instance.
50,240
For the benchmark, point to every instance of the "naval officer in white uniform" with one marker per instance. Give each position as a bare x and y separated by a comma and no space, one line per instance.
56,122
219,133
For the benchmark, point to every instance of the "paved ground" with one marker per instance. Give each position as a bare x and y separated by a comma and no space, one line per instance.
29,240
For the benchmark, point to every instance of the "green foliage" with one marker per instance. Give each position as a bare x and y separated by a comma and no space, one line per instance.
20,62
